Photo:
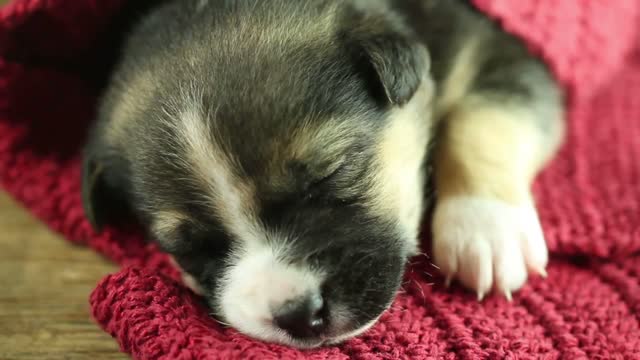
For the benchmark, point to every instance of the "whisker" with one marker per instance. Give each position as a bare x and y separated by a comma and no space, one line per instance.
424,298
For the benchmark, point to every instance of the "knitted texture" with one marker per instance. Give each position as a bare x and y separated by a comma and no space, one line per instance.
53,56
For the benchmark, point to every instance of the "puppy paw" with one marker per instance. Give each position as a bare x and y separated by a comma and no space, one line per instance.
488,244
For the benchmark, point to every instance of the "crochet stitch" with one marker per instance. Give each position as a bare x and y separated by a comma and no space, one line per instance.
53,58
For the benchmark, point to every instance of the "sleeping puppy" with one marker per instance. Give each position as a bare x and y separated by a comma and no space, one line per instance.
280,152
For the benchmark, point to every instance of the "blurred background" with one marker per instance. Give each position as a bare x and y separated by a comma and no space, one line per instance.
45,284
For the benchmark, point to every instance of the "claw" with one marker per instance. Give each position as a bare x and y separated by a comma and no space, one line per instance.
543,272
507,294
481,296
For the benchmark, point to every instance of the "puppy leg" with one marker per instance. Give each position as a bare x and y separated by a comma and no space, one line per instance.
486,228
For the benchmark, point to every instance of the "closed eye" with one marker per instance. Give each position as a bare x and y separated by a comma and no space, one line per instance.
327,178
337,188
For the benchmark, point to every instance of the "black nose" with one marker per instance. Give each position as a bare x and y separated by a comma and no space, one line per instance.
302,318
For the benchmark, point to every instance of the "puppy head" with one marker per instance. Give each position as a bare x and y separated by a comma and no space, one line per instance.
279,161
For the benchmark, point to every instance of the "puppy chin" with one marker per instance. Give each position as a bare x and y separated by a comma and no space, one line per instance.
330,340
271,335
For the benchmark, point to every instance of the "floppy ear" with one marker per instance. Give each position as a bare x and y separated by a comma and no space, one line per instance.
398,59
93,191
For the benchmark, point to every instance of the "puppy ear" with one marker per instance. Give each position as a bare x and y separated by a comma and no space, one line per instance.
398,59
93,191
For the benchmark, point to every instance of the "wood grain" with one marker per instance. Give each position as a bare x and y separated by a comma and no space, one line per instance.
45,284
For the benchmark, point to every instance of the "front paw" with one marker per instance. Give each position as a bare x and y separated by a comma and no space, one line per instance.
486,243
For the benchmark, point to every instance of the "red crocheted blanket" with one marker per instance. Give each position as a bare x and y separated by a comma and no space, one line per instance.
53,57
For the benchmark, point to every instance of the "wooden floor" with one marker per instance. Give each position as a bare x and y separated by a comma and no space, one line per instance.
44,289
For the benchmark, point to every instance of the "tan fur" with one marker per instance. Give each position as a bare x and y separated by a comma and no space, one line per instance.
462,72
321,147
491,150
166,222
131,100
231,197
329,140
399,182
